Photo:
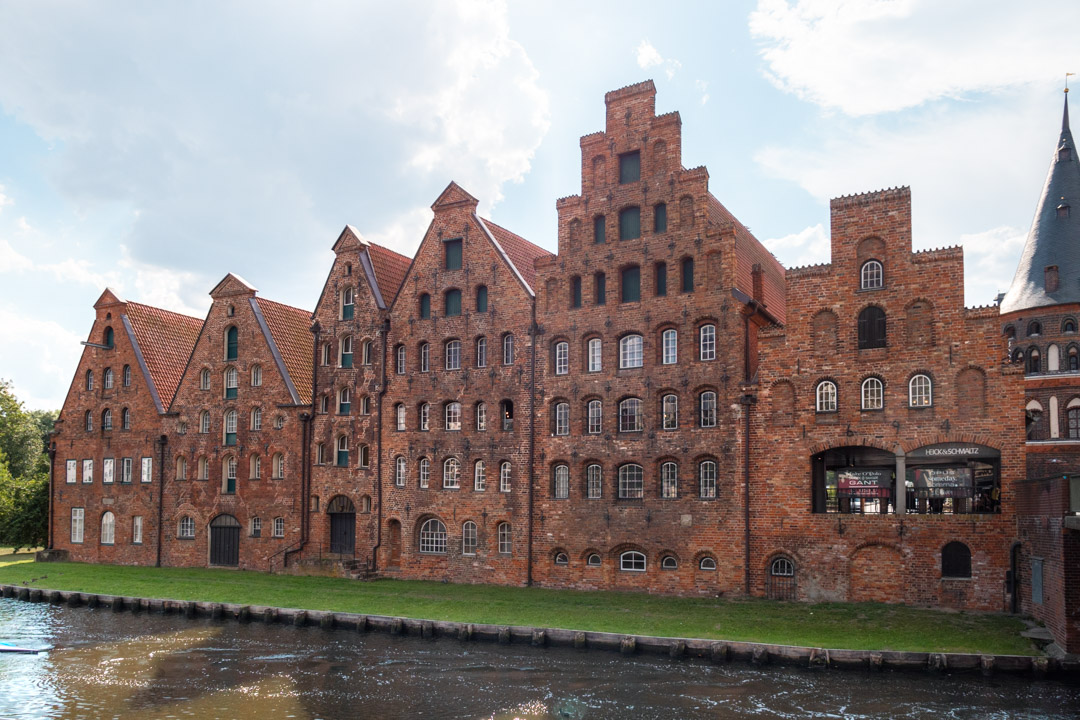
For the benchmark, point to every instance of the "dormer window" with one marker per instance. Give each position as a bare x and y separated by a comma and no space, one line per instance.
1063,210
871,277
1050,278
1064,153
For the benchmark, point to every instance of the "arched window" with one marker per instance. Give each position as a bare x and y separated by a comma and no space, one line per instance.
600,288
782,567
595,412
594,560
1073,359
505,538
561,419
204,379
481,352
1034,328
669,410
187,527
506,473
826,396
106,419
452,415
632,561
232,343
88,421
344,401
920,391
707,479
256,418
481,416
562,558
365,456
451,473
669,562
1072,419
955,560
204,421
631,481
342,451
631,352
707,403
871,276
256,375
401,471
598,230
871,328
468,538
425,357
107,378
127,376
346,352
669,480
232,383
873,394
279,527
320,454
669,343
424,476
506,412
452,303
108,528
181,467
254,467
425,306
562,358
1067,326
230,427
433,536
479,476
631,417
204,469
399,416
508,349
453,354
594,481
561,482
1034,361
707,342
687,267
595,352
424,416
109,338
228,475
399,357
348,303
481,298
659,218
365,405
707,563
89,379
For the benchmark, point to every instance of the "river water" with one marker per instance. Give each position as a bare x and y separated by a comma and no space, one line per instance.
106,665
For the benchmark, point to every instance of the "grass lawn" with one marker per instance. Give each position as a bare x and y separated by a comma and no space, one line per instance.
860,626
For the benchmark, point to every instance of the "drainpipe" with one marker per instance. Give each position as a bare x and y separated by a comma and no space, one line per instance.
379,445
747,401
532,447
162,442
52,487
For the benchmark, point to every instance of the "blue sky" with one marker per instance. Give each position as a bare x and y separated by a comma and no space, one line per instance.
153,147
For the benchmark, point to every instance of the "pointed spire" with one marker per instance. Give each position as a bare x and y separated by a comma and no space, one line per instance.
1065,117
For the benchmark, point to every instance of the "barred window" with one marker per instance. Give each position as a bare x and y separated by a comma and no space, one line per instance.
433,536
707,479
669,480
562,482
451,473
631,482
596,417
594,476
630,415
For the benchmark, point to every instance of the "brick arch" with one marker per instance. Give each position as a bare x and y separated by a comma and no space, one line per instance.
661,554
919,315
856,440
619,549
824,333
876,573
782,405
870,248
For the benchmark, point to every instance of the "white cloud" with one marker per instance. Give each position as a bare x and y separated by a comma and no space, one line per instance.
4,199
39,356
404,233
702,87
809,246
11,260
648,56
988,257
878,56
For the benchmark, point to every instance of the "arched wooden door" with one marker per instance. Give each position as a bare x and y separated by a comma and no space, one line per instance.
395,543
342,525
225,541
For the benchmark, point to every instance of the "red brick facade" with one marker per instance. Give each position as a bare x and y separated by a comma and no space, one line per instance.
659,406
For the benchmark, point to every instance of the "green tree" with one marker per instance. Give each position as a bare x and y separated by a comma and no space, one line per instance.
24,505
20,433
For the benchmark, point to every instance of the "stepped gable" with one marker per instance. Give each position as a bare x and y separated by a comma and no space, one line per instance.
390,270
290,330
1054,239
750,252
165,340
520,252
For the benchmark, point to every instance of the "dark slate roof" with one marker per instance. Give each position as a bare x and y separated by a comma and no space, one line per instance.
1053,240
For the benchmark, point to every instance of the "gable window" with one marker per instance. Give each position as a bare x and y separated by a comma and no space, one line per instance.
575,291
453,416
688,275
707,479
707,342
342,459
344,405
508,349
596,415
481,416
669,480
670,411
631,352
232,382
424,476
452,248
365,456
109,338
871,276
348,303
598,230
400,357
919,391
708,409
630,223
631,418
659,218
479,476
481,299
826,396
629,167
346,352
670,343
232,342
595,354
632,561
481,352
204,421
503,532
562,418
327,353
254,467
425,306
89,379
127,375
871,328
256,375
452,303
660,279
873,394
630,284
561,482
468,538
230,427
562,358
594,481
228,475
256,416
107,378
451,473
453,355
505,475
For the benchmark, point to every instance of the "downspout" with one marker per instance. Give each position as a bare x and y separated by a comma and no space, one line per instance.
378,443
747,401
52,488
532,446
162,442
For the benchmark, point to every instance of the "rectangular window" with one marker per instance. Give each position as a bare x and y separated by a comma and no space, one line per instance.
595,482
671,347
125,470
599,230
595,354
575,292
279,527
562,358
72,472
629,167
600,285
77,517
688,275
453,254
659,218
136,530
256,527
108,466
660,279
147,470
630,287
707,337
630,223
88,471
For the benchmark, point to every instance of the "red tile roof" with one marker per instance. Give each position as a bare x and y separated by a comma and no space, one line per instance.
291,330
165,340
521,252
749,252
390,270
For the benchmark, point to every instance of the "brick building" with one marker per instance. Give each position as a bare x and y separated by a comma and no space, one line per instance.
659,406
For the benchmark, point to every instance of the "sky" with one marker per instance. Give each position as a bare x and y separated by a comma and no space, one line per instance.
155,147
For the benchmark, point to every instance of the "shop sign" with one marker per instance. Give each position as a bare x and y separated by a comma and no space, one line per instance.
946,482
864,482
955,451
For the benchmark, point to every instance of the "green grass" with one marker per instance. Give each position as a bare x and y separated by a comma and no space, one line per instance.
861,626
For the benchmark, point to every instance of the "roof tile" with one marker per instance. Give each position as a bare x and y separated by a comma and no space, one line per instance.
390,270
166,340
749,252
291,329
520,251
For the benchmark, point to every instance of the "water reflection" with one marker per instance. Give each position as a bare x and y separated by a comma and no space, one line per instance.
106,665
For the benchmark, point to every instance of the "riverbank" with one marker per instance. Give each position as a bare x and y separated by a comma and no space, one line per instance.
855,626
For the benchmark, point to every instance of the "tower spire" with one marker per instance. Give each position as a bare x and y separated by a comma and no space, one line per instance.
1065,117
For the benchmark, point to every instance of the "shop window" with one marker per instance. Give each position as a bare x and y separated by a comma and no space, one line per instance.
955,560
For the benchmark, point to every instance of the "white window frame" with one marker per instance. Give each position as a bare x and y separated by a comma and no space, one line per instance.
562,418
871,275
707,401
425,357
78,524
127,469
669,340
596,354
631,481
505,535
108,471
108,528
562,358
595,414
633,561
707,476
481,352
399,413
204,421
631,352
256,418
506,475
873,394
707,342
452,351
452,416
479,476
468,538
87,471
279,527
401,364
256,375
562,482
481,416
72,472
669,480
136,529
425,416
186,528
508,349
625,416
594,481
451,473
825,397
669,411
401,471
433,537
425,473
920,391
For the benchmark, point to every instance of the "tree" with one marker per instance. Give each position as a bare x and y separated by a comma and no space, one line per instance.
24,471
20,433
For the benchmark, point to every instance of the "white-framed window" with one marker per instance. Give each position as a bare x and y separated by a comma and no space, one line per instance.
562,418
451,473
256,418
871,276
670,341
399,414
453,416
107,378
345,354
632,561
256,527
707,479
468,538
595,409
181,467
279,527
320,454
669,562
327,353
425,357
562,559
707,342
669,480
506,472
136,530
873,394
562,358
508,349
342,459
481,352
348,303
479,476
920,391
88,421
87,471
232,382
594,560
425,416
127,467
425,473
401,471
71,472
278,470
631,481
367,352
204,468
78,516
89,380
127,376
108,528
106,419
707,563
204,421
505,538
125,421
279,422
562,482
433,536
256,375
826,396
230,427
708,409
108,469
669,406
594,481
401,360
631,352
596,353
364,451
453,355
481,416
187,527
631,418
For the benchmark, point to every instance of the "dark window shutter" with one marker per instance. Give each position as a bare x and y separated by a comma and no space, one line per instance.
631,284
